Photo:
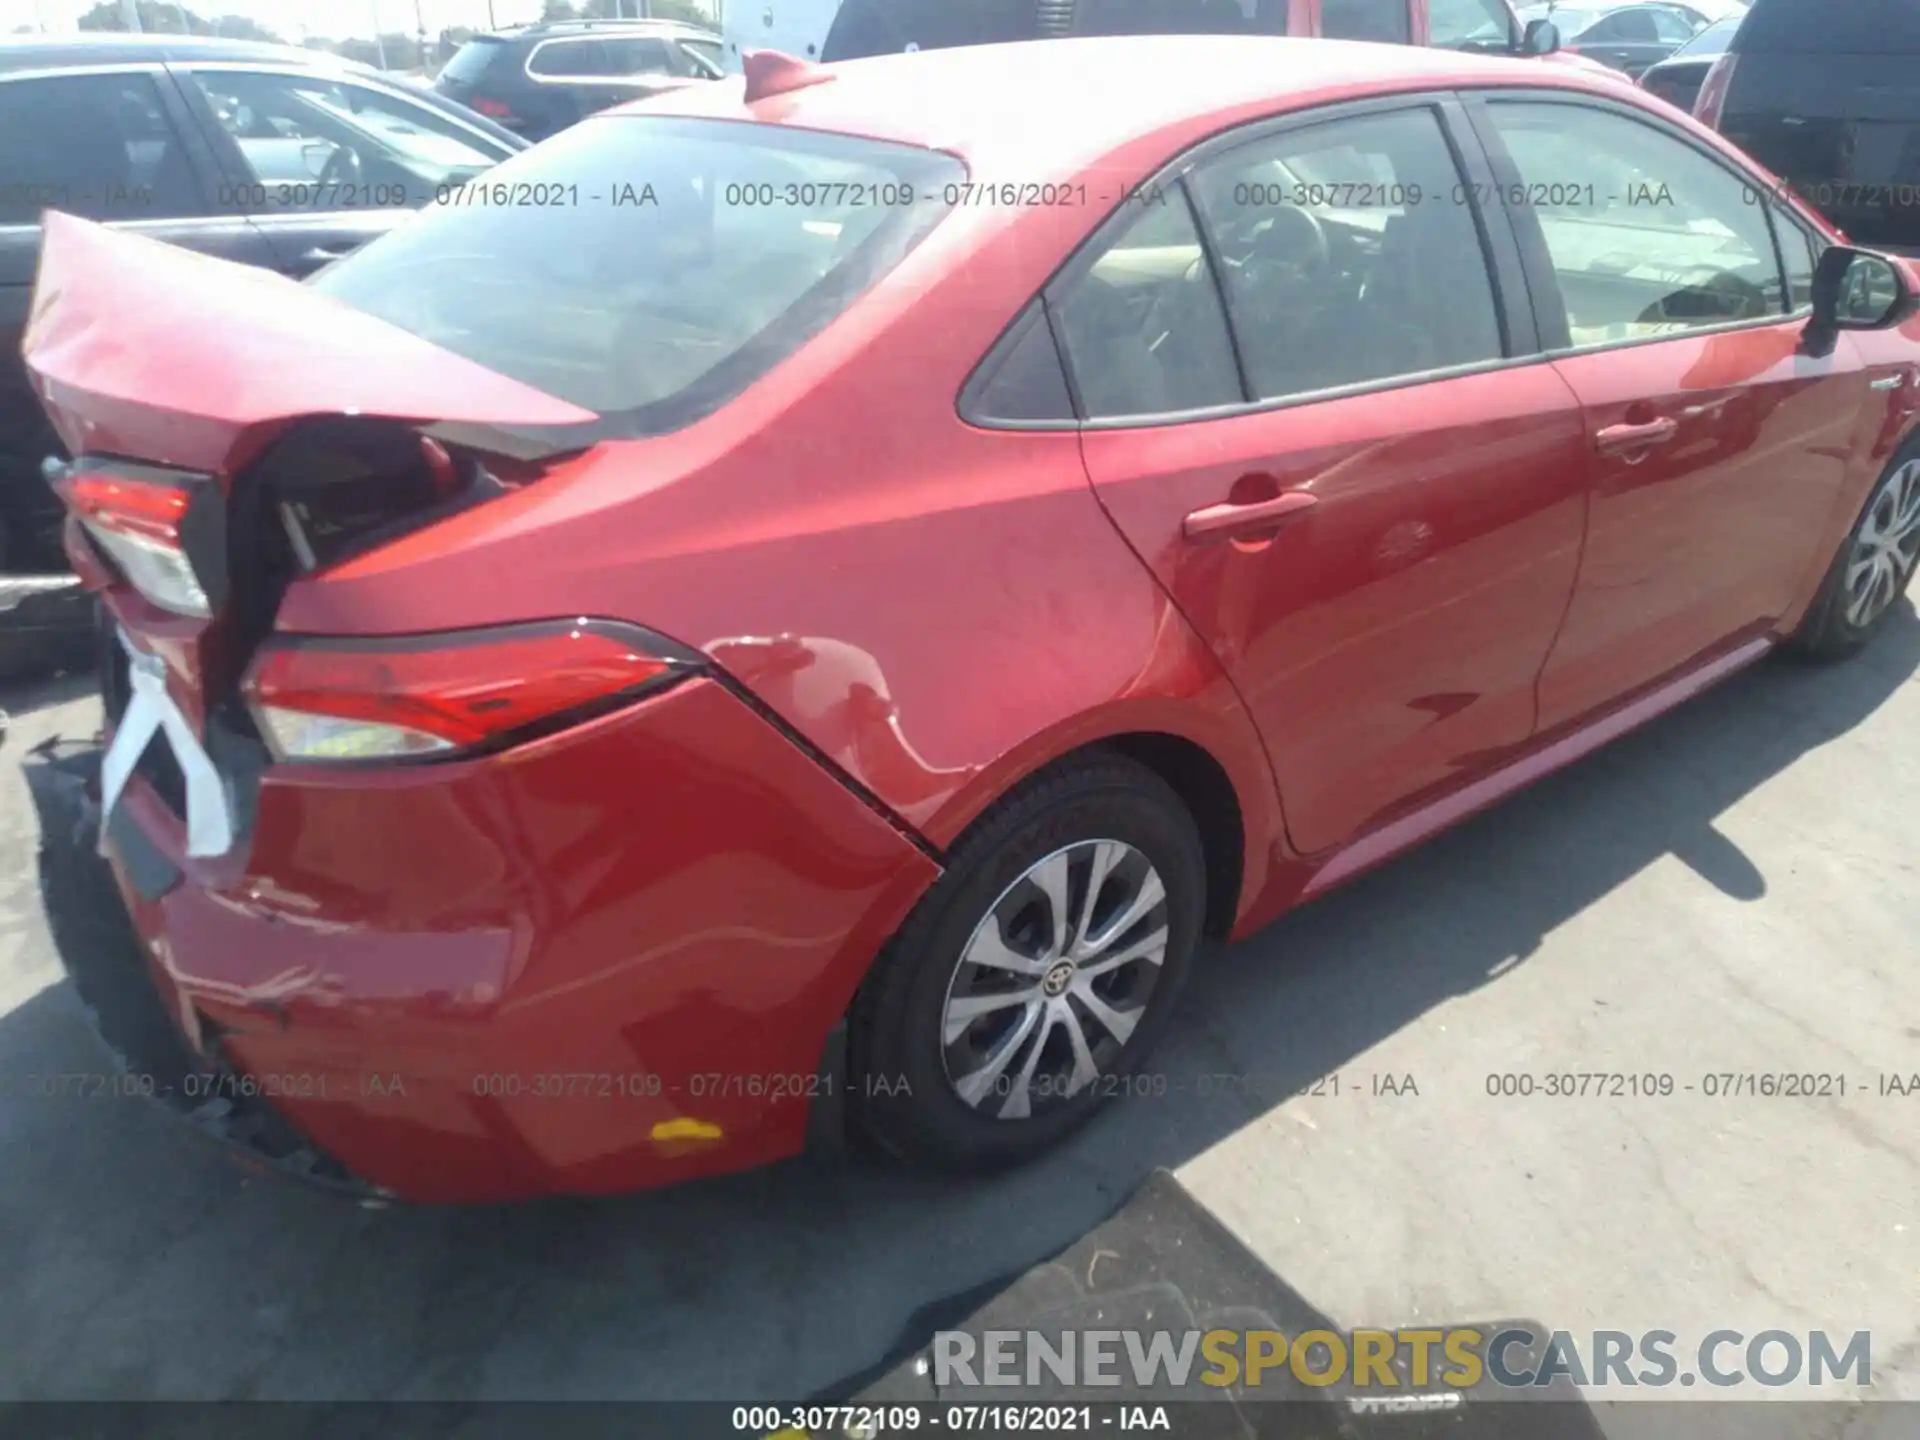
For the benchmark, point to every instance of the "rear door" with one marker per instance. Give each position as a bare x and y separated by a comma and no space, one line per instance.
1827,96
322,164
1673,297
1356,476
115,144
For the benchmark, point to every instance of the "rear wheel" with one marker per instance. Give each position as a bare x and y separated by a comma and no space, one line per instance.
1035,976
1873,569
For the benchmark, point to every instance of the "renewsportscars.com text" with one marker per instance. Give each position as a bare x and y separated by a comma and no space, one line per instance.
1458,1358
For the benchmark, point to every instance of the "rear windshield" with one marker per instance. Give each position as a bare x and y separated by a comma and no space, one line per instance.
649,268
1832,27
471,60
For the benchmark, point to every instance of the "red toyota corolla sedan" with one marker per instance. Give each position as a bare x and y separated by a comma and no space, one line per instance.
803,602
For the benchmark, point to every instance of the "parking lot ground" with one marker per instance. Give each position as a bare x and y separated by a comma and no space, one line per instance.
1731,891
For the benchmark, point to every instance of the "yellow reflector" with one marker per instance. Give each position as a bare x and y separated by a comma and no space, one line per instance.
688,1129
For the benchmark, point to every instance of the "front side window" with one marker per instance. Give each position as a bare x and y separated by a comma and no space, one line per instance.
1385,20
661,264
1347,256
1647,236
1143,328
94,145
310,143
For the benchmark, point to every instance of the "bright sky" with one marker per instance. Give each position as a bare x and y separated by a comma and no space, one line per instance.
295,19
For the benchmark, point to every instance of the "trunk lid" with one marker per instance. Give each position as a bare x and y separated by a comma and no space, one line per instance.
230,428
144,350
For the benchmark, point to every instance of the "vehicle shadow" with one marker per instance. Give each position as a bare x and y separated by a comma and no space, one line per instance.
147,1266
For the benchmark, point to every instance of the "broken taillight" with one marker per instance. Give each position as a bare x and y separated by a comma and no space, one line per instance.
442,695
144,520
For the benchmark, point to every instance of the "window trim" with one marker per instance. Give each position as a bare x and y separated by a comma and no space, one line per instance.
176,106
1506,277
1550,310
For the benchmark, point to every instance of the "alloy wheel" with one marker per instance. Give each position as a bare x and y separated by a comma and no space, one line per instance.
1055,979
1886,547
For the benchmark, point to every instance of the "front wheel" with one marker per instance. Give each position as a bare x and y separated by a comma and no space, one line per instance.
1873,569
1036,974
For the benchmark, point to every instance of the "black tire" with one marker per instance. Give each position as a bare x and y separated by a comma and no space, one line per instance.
902,1096
1825,634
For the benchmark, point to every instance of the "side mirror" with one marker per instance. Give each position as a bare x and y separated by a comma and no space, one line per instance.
1859,290
1542,38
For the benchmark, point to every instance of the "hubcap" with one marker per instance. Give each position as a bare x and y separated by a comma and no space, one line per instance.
1055,979
1886,547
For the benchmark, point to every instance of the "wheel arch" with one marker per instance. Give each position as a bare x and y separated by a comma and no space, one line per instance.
1212,759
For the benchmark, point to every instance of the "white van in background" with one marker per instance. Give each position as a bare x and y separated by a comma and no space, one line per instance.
793,27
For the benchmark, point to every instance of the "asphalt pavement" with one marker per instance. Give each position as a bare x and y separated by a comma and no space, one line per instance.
1730,891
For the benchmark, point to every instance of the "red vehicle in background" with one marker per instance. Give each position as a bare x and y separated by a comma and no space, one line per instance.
601,684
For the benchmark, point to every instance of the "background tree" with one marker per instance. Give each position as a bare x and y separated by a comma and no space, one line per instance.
159,16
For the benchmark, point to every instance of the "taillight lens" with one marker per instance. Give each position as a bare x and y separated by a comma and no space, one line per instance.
141,525
1712,99
327,699
494,109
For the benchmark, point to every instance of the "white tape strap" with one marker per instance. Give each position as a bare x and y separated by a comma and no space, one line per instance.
149,708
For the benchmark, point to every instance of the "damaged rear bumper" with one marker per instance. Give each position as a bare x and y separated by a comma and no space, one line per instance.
107,964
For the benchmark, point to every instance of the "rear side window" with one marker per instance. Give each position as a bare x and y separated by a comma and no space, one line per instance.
1831,27
472,60
1143,329
570,59
1021,381
649,268
1346,257
1366,20
640,55
94,145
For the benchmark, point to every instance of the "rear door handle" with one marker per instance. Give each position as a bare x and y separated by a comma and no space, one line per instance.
1627,439
320,255
1228,517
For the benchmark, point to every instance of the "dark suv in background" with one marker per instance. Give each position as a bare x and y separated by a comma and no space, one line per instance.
539,79
274,156
1826,94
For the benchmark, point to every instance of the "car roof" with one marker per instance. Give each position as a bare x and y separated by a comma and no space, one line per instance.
1044,109
37,52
